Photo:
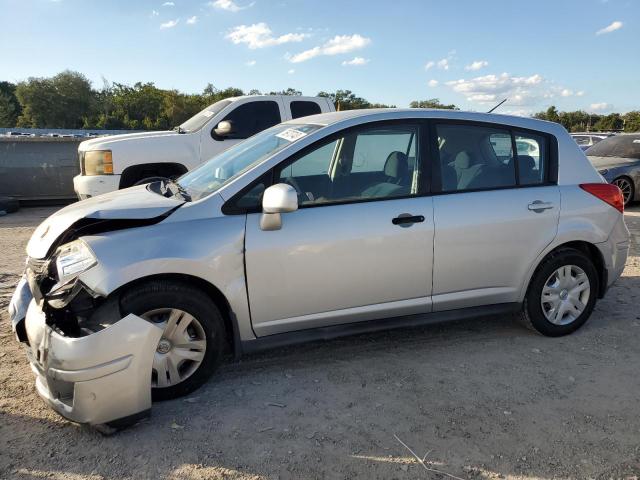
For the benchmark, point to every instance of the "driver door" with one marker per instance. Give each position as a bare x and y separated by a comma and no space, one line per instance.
360,245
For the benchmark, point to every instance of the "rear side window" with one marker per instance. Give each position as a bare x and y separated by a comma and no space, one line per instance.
532,158
251,118
301,108
474,157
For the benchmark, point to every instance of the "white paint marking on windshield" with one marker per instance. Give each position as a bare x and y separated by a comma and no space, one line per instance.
207,113
291,135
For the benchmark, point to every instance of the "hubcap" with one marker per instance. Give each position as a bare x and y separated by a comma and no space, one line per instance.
625,186
181,349
565,295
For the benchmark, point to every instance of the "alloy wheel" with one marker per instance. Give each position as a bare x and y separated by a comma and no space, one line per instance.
626,187
565,295
181,349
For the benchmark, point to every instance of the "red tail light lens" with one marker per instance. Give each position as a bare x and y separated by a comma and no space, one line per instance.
606,192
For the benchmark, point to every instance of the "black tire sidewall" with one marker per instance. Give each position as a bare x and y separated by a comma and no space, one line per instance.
533,305
161,294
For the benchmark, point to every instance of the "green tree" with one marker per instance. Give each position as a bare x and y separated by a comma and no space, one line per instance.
9,105
612,121
432,103
551,115
347,100
288,91
632,121
58,102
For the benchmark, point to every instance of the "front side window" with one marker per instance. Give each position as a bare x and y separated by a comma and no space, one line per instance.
475,157
371,163
252,117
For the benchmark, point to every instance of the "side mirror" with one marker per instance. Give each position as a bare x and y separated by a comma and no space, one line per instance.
223,128
277,199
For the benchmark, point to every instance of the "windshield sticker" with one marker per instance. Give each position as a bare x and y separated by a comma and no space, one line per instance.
291,135
207,113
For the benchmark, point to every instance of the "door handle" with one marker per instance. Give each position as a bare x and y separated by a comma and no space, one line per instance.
539,206
406,220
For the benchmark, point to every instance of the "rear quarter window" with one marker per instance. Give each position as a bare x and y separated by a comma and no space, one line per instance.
301,108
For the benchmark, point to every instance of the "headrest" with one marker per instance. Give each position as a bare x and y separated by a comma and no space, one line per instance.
463,160
396,165
526,162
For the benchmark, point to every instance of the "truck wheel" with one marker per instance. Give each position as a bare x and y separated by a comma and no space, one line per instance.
146,180
193,342
562,293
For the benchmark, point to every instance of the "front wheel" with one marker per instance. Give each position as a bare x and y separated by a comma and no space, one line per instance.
562,293
192,345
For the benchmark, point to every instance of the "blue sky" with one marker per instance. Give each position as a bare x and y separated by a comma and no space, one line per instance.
573,54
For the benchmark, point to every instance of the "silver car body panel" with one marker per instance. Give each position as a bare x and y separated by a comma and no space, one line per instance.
97,378
327,265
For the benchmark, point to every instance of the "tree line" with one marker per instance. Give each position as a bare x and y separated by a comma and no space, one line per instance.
68,100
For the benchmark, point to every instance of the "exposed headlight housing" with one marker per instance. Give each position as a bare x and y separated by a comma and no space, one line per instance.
72,259
97,162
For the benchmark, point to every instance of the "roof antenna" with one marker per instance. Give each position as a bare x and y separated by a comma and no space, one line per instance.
497,105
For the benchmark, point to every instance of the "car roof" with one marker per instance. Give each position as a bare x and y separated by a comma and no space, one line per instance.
374,114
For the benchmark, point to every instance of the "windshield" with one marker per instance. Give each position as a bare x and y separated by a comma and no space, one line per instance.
624,146
198,121
230,164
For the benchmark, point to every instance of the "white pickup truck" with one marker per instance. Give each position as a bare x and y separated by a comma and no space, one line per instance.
120,161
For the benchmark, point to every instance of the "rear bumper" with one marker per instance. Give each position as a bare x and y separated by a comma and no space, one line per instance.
90,186
615,251
100,378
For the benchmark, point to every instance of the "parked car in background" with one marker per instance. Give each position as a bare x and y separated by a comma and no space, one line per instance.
111,163
617,159
586,139
318,227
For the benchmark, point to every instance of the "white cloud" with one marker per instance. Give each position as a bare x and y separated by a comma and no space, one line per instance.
250,63
491,88
566,92
337,45
442,64
291,71
169,24
259,35
355,62
168,4
617,25
155,13
229,5
433,83
192,20
580,93
477,65
600,106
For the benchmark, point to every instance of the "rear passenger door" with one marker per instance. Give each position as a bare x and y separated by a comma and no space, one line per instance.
496,207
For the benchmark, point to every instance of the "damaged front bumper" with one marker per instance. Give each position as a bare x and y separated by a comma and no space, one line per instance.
100,378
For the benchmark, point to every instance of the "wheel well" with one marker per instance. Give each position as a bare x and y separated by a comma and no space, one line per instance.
216,296
594,254
132,174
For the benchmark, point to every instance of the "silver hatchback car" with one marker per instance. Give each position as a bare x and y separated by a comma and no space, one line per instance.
319,227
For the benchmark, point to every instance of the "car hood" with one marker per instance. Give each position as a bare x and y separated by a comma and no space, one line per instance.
135,206
110,140
611,162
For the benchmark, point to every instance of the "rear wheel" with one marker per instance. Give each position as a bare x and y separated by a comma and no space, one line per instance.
192,345
626,186
562,293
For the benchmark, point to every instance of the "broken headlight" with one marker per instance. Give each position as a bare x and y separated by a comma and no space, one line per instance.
72,259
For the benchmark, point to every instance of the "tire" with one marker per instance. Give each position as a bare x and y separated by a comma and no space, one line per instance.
536,311
146,180
150,300
625,184
9,205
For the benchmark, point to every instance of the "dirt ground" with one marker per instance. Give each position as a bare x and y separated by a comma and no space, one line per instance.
479,399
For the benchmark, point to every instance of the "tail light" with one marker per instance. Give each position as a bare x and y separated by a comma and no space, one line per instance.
606,192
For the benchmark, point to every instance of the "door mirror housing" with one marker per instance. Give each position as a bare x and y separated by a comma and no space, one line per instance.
223,128
277,199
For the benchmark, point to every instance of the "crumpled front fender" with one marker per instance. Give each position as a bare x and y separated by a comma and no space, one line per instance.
99,378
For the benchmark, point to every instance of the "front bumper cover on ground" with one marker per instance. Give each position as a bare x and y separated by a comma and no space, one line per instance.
96,379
